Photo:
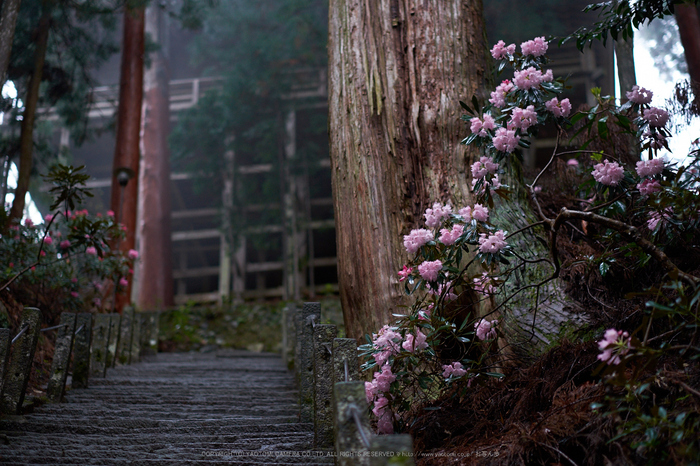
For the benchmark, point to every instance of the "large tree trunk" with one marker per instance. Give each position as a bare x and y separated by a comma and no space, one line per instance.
688,19
26,148
8,19
155,276
397,71
126,154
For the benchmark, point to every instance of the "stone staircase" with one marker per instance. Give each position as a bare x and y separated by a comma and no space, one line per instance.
224,407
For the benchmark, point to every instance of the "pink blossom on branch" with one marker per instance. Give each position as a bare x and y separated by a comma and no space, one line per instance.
531,77
501,50
648,187
123,282
65,244
417,238
483,166
492,243
498,97
535,47
405,272
505,140
417,343
572,162
639,95
448,237
133,254
559,109
429,270
480,213
614,345
523,118
466,213
650,167
91,250
481,127
485,330
608,173
434,215
453,370
656,117
656,217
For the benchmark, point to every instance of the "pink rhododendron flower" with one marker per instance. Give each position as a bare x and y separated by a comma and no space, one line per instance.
466,213
42,253
65,244
123,282
485,330
91,250
429,270
650,167
371,390
453,370
424,314
74,280
499,95
648,186
74,294
535,47
405,272
417,343
434,215
572,162
110,213
656,217
48,239
384,422
385,341
656,117
133,254
505,140
48,218
615,343
447,296
384,378
639,95
531,77
483,166
417,238
484,284
559,109
501,51
480,213
523,118
449,237
492,243
608,173
480,127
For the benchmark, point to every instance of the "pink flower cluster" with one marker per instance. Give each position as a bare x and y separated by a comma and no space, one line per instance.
535,47
133,254
481,127
639,95
385,426
485,330
484,284
492,243
656,217
614,345
448,237
531,77
498,97
656,117
501,50
479,212
417,238
417,343
559,109
648,187
453,370
608,173
434,215
650,167
91,250
429,270
505,140
374,392
448,296
386,343
483,166
523,118
123,282
405,272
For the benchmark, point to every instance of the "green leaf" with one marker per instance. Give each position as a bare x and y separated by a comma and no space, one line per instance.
494,374
466,107
604,268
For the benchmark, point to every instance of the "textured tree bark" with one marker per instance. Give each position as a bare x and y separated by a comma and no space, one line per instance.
126,153
688,19
26,147
397,71
8,19
155,276
624,51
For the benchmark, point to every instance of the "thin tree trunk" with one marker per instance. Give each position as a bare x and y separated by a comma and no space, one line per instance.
688,19
155,265
397,71
29,116
8,19
126,154
624,51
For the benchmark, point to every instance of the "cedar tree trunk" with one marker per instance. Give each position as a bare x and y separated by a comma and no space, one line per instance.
688,19
8,19
126,155
398,69
155,277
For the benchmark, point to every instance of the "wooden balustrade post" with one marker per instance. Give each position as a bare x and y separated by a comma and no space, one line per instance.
323,385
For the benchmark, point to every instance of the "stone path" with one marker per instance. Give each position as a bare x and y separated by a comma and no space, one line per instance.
227,408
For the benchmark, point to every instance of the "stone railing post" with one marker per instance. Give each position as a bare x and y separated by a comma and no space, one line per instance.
61,358
350,409
136,326
151,340
345,360
310,313
288,336
98,345
323,336
21,362
391,450
124,344
81,350
4,353
114,321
